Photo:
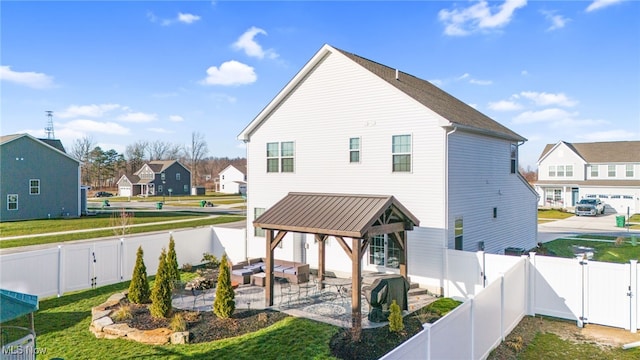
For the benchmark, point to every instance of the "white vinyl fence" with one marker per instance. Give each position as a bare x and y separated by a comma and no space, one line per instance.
83,265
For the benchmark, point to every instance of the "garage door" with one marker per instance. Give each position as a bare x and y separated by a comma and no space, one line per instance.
620,203
125,191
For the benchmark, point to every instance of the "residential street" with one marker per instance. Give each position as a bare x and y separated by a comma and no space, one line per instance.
597,225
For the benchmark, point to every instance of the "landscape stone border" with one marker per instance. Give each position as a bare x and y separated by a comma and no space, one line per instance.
103,326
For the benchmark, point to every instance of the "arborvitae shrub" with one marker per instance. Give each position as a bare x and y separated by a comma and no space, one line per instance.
139,286
161,293
172,261
395,318
224,304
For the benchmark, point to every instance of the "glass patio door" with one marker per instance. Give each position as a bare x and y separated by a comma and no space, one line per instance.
384,252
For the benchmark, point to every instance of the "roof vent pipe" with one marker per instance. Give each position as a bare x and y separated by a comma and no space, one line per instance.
396,74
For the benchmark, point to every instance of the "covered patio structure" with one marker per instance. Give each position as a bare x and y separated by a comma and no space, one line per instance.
341,216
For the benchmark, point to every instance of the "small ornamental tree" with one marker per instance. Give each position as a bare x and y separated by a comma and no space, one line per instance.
161,293
172,261
224,303
139,286
395,318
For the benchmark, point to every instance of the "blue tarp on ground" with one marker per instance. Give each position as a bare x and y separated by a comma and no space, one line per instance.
14,304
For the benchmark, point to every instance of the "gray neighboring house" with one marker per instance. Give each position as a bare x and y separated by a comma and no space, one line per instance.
159,177
38,179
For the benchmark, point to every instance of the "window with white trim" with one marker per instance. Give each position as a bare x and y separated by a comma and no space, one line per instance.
552,170
280,157
569,171
12,202
354,150
594,171
560,171
401,152
178,176
34,187
611,170
160,188
256,230
629,170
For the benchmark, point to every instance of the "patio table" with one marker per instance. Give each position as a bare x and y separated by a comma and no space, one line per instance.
341,285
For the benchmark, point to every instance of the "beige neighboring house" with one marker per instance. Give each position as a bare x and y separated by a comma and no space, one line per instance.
159,177
233,180
609,171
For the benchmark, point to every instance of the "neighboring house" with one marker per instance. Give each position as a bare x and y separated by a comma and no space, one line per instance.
233,180
345,124
38,180
609,171
160,177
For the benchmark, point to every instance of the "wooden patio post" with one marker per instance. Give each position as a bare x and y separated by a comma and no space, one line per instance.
321,253
356,287
268,289
403,262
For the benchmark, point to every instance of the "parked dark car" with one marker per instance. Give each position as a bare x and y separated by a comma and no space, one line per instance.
103,194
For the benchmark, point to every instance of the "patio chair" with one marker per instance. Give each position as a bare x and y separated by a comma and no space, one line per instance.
198,293
178,289
286,290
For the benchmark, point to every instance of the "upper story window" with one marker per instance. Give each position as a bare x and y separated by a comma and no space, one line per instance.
514,158
560,171
222,177
12,202
280,156
552,170
34,187
354,150
629,170
177,176
569,170
401,149
594,171
611,170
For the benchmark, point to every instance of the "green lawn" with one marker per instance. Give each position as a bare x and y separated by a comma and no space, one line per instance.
62,325
553,214
604,250
551,346
195,222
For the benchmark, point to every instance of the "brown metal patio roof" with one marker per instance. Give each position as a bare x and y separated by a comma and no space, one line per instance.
348,215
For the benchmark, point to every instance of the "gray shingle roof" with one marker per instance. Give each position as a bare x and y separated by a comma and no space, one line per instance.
603,152
346,215
435,98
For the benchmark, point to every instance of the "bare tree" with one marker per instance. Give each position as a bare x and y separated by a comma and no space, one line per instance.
135,155
81,151
159,150
121,222
196,152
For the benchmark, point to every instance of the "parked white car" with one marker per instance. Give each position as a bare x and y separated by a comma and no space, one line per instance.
591,207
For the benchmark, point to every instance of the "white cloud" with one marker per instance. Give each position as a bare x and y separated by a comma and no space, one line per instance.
160,130
184,18
542,116
92,126
31,79
188,18
176,118
230,73
471,80
92,110
478,17
224,98
504,105
247,43
601,4
138,117
610,135
546,99
557,21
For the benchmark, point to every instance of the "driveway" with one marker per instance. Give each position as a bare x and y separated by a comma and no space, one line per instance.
575,225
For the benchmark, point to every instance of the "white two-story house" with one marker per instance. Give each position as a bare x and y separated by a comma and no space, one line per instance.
610,171
348,125
232,180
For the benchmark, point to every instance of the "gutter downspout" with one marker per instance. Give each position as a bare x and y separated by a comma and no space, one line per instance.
445,264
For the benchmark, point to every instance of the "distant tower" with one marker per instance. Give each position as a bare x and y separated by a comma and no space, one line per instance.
49,128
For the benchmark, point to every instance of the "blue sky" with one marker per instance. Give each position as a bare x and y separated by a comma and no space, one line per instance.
119,71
